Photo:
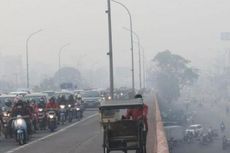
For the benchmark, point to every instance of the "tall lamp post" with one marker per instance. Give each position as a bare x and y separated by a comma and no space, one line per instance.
110,53
131,40
59,55
27,57
59,59
139,54
143,66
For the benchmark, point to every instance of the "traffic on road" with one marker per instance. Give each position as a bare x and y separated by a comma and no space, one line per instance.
32,118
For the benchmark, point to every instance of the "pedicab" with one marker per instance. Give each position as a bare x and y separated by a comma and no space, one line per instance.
120,134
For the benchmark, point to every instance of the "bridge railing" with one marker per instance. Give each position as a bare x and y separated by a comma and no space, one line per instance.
160,145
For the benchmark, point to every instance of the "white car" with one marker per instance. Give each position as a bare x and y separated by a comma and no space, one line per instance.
195,129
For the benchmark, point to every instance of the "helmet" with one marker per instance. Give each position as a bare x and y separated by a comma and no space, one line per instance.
78,96
52,99
32,101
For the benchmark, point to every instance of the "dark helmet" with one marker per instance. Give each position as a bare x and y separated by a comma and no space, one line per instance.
138,96
32,101
19,101
52,99
42,100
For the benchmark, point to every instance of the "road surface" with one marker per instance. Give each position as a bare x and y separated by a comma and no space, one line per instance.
80,137
209,115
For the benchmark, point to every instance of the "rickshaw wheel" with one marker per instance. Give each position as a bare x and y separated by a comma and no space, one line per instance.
106,150
144,149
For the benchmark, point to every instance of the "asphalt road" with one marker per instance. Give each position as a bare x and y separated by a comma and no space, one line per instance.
80,137
9,145
209,115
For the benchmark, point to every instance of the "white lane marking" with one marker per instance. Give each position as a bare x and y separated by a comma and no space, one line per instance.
50,135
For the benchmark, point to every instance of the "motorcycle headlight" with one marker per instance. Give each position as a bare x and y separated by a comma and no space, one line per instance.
62,106
19,121
69,105
78,109
109,98
40,109
5,114
51,116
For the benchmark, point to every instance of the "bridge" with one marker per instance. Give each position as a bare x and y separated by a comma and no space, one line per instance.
85,136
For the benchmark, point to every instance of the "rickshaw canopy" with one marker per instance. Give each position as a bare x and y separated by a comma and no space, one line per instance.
121,104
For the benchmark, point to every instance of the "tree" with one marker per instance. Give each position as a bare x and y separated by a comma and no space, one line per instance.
48,84
68,75
171,73
64,78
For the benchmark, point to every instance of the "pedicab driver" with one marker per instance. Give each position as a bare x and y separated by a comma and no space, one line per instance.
139,113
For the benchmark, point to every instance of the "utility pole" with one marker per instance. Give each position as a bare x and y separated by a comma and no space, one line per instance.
110,53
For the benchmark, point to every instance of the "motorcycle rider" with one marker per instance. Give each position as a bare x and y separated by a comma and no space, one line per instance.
34,109
79,103
52,105
70,102
22,108
41,103
79,99
62,100
222,126
140,113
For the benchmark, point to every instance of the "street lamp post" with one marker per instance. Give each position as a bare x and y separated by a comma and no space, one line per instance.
143,66
110,53
59,60
27,57
59,55
131,39
139,54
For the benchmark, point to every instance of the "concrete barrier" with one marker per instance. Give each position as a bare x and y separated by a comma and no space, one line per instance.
161,145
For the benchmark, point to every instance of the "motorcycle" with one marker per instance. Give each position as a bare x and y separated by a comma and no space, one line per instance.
62,115
172,144
52,120
78,111
20,128
188,139
41,119
222,127
225,143
205,139
5,119
70,113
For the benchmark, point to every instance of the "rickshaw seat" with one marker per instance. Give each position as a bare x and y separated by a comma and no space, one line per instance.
126,129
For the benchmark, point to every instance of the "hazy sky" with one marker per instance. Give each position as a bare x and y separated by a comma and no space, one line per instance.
187,27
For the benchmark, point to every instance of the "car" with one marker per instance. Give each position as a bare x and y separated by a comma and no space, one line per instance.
92,99
195,129
175,132
225,143
66,95
49,93
37,97
6,101
18,93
